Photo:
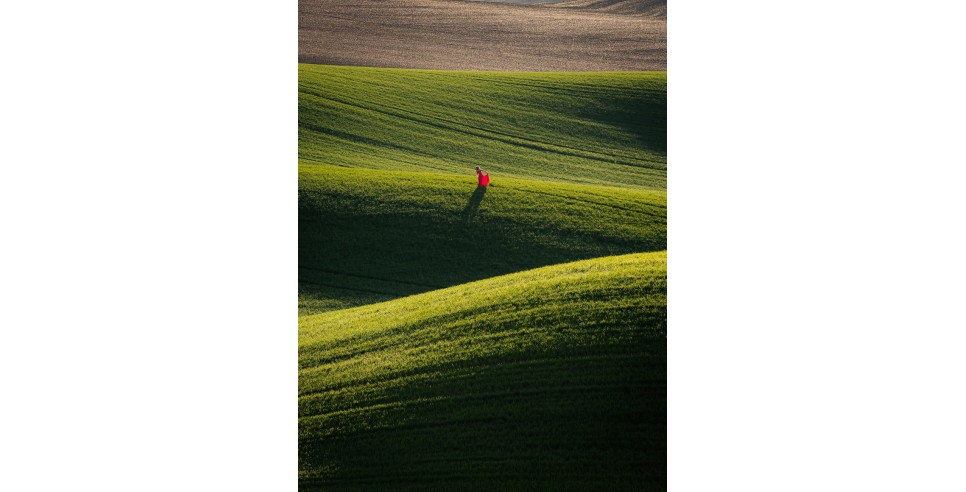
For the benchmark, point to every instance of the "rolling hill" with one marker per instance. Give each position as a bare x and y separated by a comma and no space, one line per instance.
549,379
593,128
456,337
467,35
372,235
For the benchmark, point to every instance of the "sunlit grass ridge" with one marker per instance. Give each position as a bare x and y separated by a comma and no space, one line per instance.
368,236
564,362
599,128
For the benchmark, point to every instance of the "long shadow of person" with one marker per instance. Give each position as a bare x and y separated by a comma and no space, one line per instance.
474,204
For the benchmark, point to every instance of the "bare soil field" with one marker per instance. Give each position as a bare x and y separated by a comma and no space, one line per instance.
581,35
651,8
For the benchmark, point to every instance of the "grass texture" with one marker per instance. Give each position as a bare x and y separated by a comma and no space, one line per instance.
453,337
593,128
549,379
368,236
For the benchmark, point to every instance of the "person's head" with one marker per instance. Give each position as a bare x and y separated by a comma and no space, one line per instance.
478,168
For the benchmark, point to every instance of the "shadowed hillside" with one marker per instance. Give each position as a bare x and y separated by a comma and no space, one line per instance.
369,235
551,379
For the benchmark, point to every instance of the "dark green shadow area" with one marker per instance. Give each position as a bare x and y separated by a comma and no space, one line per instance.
474,204
367,236
550,379
570,420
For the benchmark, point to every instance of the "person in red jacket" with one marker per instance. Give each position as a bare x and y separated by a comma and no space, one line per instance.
482,177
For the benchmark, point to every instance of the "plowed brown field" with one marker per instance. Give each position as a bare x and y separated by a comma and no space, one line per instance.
463,35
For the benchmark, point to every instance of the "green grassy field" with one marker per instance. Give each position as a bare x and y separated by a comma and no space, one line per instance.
595,128
367,236
550,379
453,337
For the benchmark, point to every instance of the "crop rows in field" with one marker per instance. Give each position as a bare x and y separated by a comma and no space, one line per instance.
594,128
456,337
369,235
553,376
466,35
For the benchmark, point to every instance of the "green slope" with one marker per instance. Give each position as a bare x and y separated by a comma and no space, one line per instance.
550,379
368,236
597,128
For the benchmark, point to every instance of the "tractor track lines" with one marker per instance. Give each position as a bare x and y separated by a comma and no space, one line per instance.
493,134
